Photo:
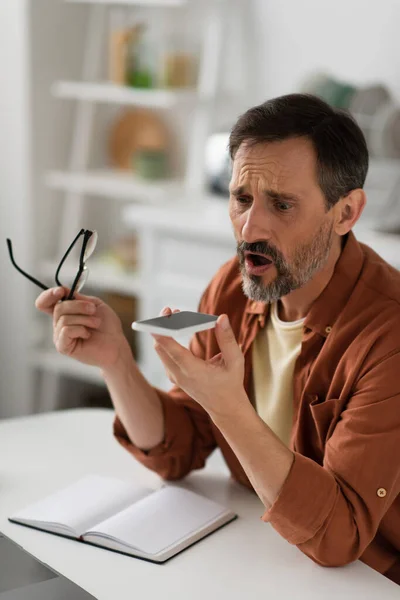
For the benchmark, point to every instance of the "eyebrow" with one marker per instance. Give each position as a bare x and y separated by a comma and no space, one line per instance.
241,191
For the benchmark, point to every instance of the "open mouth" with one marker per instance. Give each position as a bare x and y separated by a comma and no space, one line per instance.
258,260
257,264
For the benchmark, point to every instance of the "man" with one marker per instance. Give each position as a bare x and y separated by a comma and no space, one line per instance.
298,384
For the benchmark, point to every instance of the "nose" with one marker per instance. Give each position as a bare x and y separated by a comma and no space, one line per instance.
254,225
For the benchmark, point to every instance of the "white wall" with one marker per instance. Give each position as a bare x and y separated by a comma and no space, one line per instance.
357,40
34,131
14,204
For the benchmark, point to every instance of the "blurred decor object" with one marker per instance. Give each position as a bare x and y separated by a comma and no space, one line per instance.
122,254
135,131
126,309
218,164
141,63
366,104
313,81
179,70
382,187
384,134
337,93
367,100
178,63
150,164
121,40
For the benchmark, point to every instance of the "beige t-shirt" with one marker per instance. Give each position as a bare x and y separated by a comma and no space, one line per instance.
275,351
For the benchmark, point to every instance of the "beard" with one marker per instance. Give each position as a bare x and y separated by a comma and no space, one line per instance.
308,259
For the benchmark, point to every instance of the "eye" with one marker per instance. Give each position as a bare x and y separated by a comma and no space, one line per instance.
283,206
243,200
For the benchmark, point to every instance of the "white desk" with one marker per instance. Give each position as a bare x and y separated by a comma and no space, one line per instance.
246,559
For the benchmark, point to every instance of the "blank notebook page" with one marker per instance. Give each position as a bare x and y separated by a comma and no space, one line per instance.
162,519
84,503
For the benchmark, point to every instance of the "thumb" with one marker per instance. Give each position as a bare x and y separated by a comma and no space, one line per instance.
227,342
47,300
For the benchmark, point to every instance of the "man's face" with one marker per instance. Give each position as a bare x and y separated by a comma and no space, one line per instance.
283,231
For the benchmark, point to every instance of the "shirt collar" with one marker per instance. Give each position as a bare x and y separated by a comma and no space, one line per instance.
327,307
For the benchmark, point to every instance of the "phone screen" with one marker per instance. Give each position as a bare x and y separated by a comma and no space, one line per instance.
180,320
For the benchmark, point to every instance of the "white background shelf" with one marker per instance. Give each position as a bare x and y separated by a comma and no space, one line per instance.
117,94
102,276
118,185
207,218
50,360
156,3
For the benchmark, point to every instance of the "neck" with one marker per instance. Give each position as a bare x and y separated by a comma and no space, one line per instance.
297,304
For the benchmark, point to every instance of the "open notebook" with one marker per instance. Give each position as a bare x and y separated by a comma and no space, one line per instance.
120,516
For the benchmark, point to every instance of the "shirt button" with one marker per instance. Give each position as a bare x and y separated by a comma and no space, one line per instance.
381,492
328,329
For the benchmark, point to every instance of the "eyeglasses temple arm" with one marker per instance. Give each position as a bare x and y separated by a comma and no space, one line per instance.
87,235
35,281
65,257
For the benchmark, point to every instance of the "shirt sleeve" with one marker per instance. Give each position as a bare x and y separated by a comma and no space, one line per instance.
332,511
189,438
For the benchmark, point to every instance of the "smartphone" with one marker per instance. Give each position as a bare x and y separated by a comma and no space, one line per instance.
185,322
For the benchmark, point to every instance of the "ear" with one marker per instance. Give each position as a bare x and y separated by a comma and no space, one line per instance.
348,210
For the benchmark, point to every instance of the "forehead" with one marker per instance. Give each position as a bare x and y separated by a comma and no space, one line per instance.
280,163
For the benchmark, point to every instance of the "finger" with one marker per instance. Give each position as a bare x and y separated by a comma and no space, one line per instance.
180,355
227,342
73,320
171,368
215,360
66,341
73,307
93,299
47,300
168,311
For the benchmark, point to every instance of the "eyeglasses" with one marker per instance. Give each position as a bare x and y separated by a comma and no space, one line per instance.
88,247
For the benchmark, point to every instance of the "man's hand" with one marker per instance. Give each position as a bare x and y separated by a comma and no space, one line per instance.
216,384
85,328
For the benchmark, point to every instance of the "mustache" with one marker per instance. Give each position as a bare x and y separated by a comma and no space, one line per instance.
261,247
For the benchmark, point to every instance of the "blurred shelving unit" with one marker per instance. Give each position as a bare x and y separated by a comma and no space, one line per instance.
79,181
116,185
49,360
109,93
146,3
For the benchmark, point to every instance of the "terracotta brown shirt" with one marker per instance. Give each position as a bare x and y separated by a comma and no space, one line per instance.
341,499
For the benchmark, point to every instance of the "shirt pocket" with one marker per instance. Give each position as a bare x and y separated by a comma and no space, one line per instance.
325,415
